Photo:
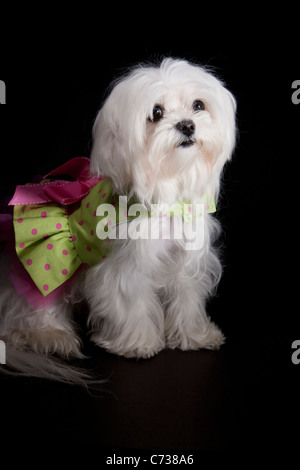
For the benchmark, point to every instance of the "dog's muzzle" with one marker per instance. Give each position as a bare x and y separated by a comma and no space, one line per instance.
187,128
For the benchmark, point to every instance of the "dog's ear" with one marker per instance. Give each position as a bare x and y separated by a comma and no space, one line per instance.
227,125
227,117
119,134
108,156
230,123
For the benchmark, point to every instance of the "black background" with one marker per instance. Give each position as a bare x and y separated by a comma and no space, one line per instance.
56,69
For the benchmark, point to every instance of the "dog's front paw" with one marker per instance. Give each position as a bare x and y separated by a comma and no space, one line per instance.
142,352
207,337
131,348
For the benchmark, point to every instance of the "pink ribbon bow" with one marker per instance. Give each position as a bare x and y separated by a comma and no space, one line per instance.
61,191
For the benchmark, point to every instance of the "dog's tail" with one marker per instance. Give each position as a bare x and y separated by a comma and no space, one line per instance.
28,363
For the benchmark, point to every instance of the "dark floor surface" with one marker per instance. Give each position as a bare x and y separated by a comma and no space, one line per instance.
245,396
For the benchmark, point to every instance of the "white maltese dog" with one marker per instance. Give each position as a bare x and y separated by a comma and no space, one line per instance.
161,140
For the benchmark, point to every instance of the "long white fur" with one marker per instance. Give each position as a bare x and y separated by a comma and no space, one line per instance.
147,294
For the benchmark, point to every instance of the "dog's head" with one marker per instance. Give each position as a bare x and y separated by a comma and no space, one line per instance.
165,132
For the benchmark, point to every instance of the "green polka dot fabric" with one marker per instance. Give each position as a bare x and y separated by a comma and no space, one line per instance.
52,243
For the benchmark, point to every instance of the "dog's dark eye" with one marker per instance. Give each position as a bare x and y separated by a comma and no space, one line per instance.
198,105
158,113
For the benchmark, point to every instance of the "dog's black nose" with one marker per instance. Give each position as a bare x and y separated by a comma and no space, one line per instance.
187,127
